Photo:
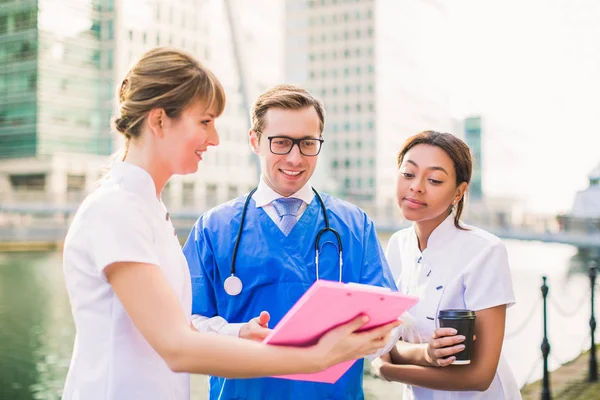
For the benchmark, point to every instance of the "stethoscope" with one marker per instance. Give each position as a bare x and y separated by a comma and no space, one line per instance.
233,284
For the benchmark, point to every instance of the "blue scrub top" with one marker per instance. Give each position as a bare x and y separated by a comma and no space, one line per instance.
276,270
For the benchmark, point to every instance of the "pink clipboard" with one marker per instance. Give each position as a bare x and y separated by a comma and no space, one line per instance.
327,304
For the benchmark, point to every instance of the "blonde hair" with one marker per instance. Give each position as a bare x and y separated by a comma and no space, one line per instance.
288,97
164,78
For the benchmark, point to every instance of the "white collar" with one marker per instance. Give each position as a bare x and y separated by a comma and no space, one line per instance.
442,232
438,237
134,179
265,195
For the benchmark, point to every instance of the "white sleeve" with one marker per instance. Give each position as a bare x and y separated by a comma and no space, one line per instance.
488,281
216,325
392,255
122,233
394,337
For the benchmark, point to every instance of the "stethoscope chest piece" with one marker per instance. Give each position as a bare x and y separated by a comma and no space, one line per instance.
233,285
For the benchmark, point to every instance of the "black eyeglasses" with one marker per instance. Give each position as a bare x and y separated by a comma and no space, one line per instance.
282,145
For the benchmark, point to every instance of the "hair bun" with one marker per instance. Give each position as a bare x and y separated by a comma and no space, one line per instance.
121,125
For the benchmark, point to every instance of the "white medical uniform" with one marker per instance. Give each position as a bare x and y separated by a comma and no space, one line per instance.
122,220
458,269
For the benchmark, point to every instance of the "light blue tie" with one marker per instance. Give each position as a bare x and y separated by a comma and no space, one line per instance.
287,209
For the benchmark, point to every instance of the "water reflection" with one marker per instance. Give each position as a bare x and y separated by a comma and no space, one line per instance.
35,327
37,331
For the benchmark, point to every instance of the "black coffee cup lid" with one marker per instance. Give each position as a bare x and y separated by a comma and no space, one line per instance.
455,313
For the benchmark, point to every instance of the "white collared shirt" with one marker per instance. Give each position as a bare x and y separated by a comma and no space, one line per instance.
122,220
458,269
263,197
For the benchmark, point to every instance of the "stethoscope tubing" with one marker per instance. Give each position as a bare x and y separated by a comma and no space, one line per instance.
317,240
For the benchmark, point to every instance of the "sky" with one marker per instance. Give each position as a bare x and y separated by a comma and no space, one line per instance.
531,68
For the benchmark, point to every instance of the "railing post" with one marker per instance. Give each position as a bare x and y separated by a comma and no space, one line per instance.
593,372
545,347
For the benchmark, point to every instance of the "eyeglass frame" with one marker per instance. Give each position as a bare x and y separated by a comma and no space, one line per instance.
294,143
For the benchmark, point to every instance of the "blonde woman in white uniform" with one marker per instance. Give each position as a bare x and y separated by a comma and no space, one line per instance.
127,278
449,265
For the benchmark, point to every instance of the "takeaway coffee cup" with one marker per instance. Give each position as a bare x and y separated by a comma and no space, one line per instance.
464,322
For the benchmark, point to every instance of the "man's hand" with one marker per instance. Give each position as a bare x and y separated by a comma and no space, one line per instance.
257,328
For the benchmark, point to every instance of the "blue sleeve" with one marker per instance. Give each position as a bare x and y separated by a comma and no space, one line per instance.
200,260
374,269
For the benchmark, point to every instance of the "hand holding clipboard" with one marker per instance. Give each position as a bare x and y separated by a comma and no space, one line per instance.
327,305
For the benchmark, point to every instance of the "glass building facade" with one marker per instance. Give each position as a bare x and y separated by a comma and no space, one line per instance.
473,139
56,77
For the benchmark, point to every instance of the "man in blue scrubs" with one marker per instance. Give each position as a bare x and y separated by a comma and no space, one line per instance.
276,257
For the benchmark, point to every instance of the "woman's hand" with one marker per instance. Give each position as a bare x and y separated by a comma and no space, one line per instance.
443,344
344,343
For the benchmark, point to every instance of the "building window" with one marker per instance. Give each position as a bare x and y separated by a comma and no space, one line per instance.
211,195
75,183
35,182
110,30
25,20
187,194
232,192
3,24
